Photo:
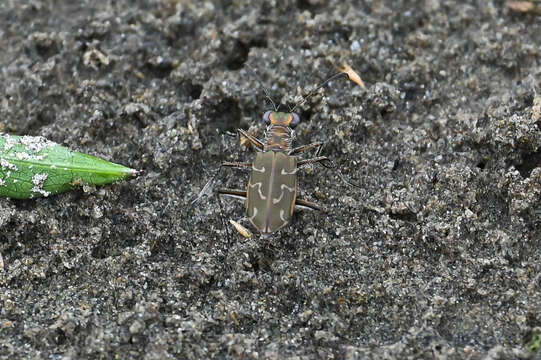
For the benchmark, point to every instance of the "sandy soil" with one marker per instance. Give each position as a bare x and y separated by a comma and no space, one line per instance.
436,255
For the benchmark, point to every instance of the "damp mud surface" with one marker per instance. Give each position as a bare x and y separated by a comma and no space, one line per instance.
436,254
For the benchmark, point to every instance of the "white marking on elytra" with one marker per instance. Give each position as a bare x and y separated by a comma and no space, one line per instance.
262,170
284,172
282,187
285,187
251,218
260,185
282,213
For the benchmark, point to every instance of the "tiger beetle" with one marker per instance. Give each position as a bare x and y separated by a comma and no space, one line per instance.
271,194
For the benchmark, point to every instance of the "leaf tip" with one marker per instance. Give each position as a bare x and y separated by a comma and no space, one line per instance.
135,172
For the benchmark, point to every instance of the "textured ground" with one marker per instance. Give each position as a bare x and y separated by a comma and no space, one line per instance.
436,256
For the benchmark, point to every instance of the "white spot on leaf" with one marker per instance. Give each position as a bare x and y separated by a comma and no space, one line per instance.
39,180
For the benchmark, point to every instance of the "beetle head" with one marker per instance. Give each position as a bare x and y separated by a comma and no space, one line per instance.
290,119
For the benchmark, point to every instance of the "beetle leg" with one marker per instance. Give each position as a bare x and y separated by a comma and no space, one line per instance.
237,194
305,162
238,165
304,148
303,204
255,141
207,189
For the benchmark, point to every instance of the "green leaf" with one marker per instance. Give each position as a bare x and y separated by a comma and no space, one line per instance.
34,166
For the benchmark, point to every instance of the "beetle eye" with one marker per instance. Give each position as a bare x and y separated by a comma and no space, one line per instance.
295,121
266,117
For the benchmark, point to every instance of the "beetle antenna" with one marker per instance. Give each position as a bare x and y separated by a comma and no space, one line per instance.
258,78
319,87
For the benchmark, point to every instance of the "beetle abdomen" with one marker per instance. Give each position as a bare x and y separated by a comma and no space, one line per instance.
272,190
